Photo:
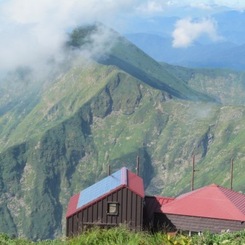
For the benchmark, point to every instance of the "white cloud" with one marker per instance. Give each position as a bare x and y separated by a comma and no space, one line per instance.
201,5
100,43
187,31
151,7
234,4
33,31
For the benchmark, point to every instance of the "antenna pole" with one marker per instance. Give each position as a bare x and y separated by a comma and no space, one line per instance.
109,170
193,172
137,165
232,167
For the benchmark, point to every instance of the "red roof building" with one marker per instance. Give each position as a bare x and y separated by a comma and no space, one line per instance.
211,201
119,199
116,199
211,208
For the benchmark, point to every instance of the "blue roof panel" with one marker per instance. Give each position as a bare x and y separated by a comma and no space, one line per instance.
102,187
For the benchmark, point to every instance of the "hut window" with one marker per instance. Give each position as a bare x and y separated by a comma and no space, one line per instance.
112,208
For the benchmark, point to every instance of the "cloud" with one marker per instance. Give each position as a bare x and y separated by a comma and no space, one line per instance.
201,5
151,7
187,31
33,32
100,41
236,4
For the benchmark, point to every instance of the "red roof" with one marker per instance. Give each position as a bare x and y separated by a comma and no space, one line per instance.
163,200
120,179
135,183
72,206
211,201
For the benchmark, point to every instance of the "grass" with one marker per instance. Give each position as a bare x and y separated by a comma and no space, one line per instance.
123,236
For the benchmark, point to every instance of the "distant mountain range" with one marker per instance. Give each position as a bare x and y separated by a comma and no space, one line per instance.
227,53
58,136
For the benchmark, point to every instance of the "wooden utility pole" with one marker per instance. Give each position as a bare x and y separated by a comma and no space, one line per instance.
138,165
232,167
109,169
193,172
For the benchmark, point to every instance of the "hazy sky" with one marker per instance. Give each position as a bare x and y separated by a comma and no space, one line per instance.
32,30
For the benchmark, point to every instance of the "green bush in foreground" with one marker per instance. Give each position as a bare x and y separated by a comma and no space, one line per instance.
233,238
122,236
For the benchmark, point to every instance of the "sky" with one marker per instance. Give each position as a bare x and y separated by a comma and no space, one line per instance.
31,31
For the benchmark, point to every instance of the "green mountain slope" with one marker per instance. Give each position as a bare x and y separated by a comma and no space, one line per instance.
60,138
131,59
226,86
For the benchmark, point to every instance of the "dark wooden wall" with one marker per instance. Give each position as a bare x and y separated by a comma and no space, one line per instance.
130,213
197,224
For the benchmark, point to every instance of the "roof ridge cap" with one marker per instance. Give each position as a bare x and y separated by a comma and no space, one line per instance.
214,185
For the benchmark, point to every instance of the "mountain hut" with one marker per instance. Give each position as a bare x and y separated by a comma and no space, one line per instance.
211,208
116,199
